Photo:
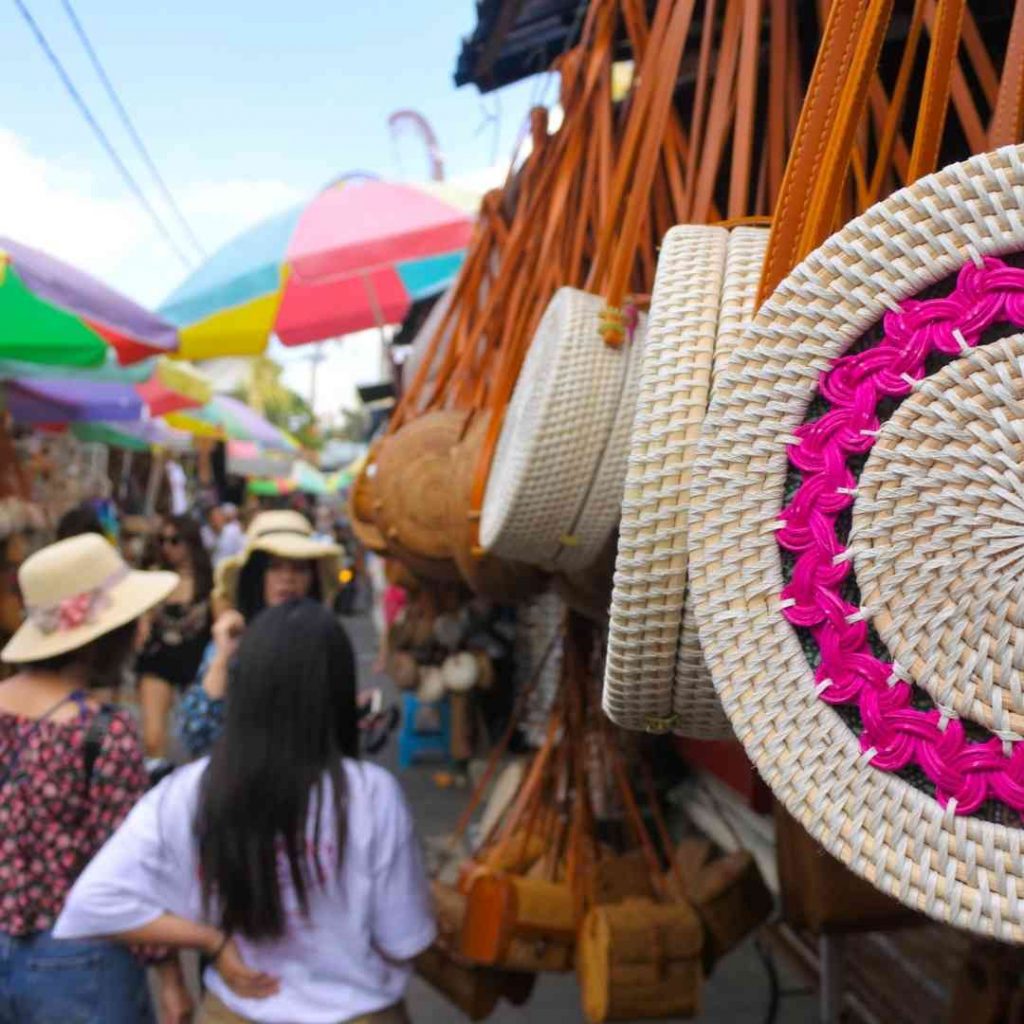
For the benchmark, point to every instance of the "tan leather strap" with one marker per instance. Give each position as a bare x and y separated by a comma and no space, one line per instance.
746,108
1008,119
826,190
817,116
938,77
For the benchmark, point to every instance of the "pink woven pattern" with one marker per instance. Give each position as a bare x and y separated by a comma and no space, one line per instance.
967,772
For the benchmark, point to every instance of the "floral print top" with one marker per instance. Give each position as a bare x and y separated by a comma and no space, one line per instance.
52,818
200,716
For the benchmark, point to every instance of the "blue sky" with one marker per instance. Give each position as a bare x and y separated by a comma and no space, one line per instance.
245,107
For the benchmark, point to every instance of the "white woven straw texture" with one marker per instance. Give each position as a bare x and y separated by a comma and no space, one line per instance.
556,429
602,506
655,678
956,868
938,537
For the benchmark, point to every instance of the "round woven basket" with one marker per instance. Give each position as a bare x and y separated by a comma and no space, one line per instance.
856,532
362,506
545,493
414,481
497,579
655,677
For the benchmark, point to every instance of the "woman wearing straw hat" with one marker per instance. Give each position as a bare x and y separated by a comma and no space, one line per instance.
282,562
70,771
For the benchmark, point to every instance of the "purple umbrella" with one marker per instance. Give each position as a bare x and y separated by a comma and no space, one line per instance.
68,401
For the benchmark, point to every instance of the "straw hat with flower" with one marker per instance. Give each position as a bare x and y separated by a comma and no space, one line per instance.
283,534
75,591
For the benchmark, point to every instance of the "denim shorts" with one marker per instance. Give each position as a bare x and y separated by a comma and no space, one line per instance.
44,980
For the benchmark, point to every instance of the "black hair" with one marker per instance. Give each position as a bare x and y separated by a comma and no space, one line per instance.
103,659
199,558
78,520
290,719
249,599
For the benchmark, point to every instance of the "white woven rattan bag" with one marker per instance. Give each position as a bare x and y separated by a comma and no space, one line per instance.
555,485
857,544
655,678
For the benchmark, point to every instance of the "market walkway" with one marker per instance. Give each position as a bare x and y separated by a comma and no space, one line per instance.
738,992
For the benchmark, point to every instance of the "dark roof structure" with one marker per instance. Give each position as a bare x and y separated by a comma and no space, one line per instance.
514,39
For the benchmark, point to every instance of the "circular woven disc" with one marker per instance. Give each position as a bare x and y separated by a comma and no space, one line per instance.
938,537
956,867
556,427
414,479
655,677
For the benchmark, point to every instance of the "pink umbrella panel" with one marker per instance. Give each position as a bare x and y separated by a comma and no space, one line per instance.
354,257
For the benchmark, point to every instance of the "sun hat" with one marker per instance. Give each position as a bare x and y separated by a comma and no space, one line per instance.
285,534
431,685
460,672
75,591
856,528
703,299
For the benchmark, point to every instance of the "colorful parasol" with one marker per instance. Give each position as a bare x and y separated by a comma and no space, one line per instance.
354,257
69,400
52,313
224,416
175,385
140,435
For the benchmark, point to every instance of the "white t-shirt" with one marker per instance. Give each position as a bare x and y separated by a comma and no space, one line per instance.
228,543
177,481
330,965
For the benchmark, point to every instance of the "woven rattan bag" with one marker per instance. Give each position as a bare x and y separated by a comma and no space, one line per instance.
413,483
555,484
362,505
655,678
855,544
498,579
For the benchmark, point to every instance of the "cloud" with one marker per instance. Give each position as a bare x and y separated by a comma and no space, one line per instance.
99,227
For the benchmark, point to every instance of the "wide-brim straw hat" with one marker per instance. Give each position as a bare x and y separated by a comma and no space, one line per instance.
75,591
284,534
856,529
703,299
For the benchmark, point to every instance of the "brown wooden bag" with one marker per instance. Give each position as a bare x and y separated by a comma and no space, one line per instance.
519,923
640,959
474,990
821,895
731,900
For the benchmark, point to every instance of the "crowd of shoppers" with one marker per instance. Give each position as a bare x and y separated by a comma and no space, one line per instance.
285,860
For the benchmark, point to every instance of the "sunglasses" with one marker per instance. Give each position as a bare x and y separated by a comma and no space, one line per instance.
170,538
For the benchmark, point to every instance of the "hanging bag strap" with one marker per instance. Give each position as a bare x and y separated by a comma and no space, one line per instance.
1008,119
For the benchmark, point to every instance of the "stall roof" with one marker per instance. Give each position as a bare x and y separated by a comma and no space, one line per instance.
514,39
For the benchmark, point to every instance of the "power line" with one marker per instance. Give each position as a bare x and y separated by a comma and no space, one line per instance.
86,113
130,127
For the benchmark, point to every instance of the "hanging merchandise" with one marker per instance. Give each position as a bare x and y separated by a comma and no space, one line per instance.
568,875
703,300
865,464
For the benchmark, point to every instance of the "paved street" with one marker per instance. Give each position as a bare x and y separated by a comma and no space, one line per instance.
737,993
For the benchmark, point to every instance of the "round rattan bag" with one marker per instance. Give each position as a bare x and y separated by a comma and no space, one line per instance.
857,544
413,485
497,579
555,485
362,505
704,293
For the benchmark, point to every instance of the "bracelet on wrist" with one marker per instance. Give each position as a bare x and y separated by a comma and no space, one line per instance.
220,949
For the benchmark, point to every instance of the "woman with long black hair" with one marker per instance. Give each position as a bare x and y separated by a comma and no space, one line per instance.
179,631
288,862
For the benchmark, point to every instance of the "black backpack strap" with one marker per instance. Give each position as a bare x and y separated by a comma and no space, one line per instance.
94,737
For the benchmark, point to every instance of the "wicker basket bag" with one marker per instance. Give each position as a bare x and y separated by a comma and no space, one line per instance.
655,678
855,538
571,394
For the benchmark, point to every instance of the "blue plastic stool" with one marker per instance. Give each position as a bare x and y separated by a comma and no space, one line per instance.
412,742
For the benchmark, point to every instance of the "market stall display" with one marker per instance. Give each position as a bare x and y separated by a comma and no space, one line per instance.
894,316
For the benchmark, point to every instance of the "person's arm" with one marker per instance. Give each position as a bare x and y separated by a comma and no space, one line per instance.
180,933
227,631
